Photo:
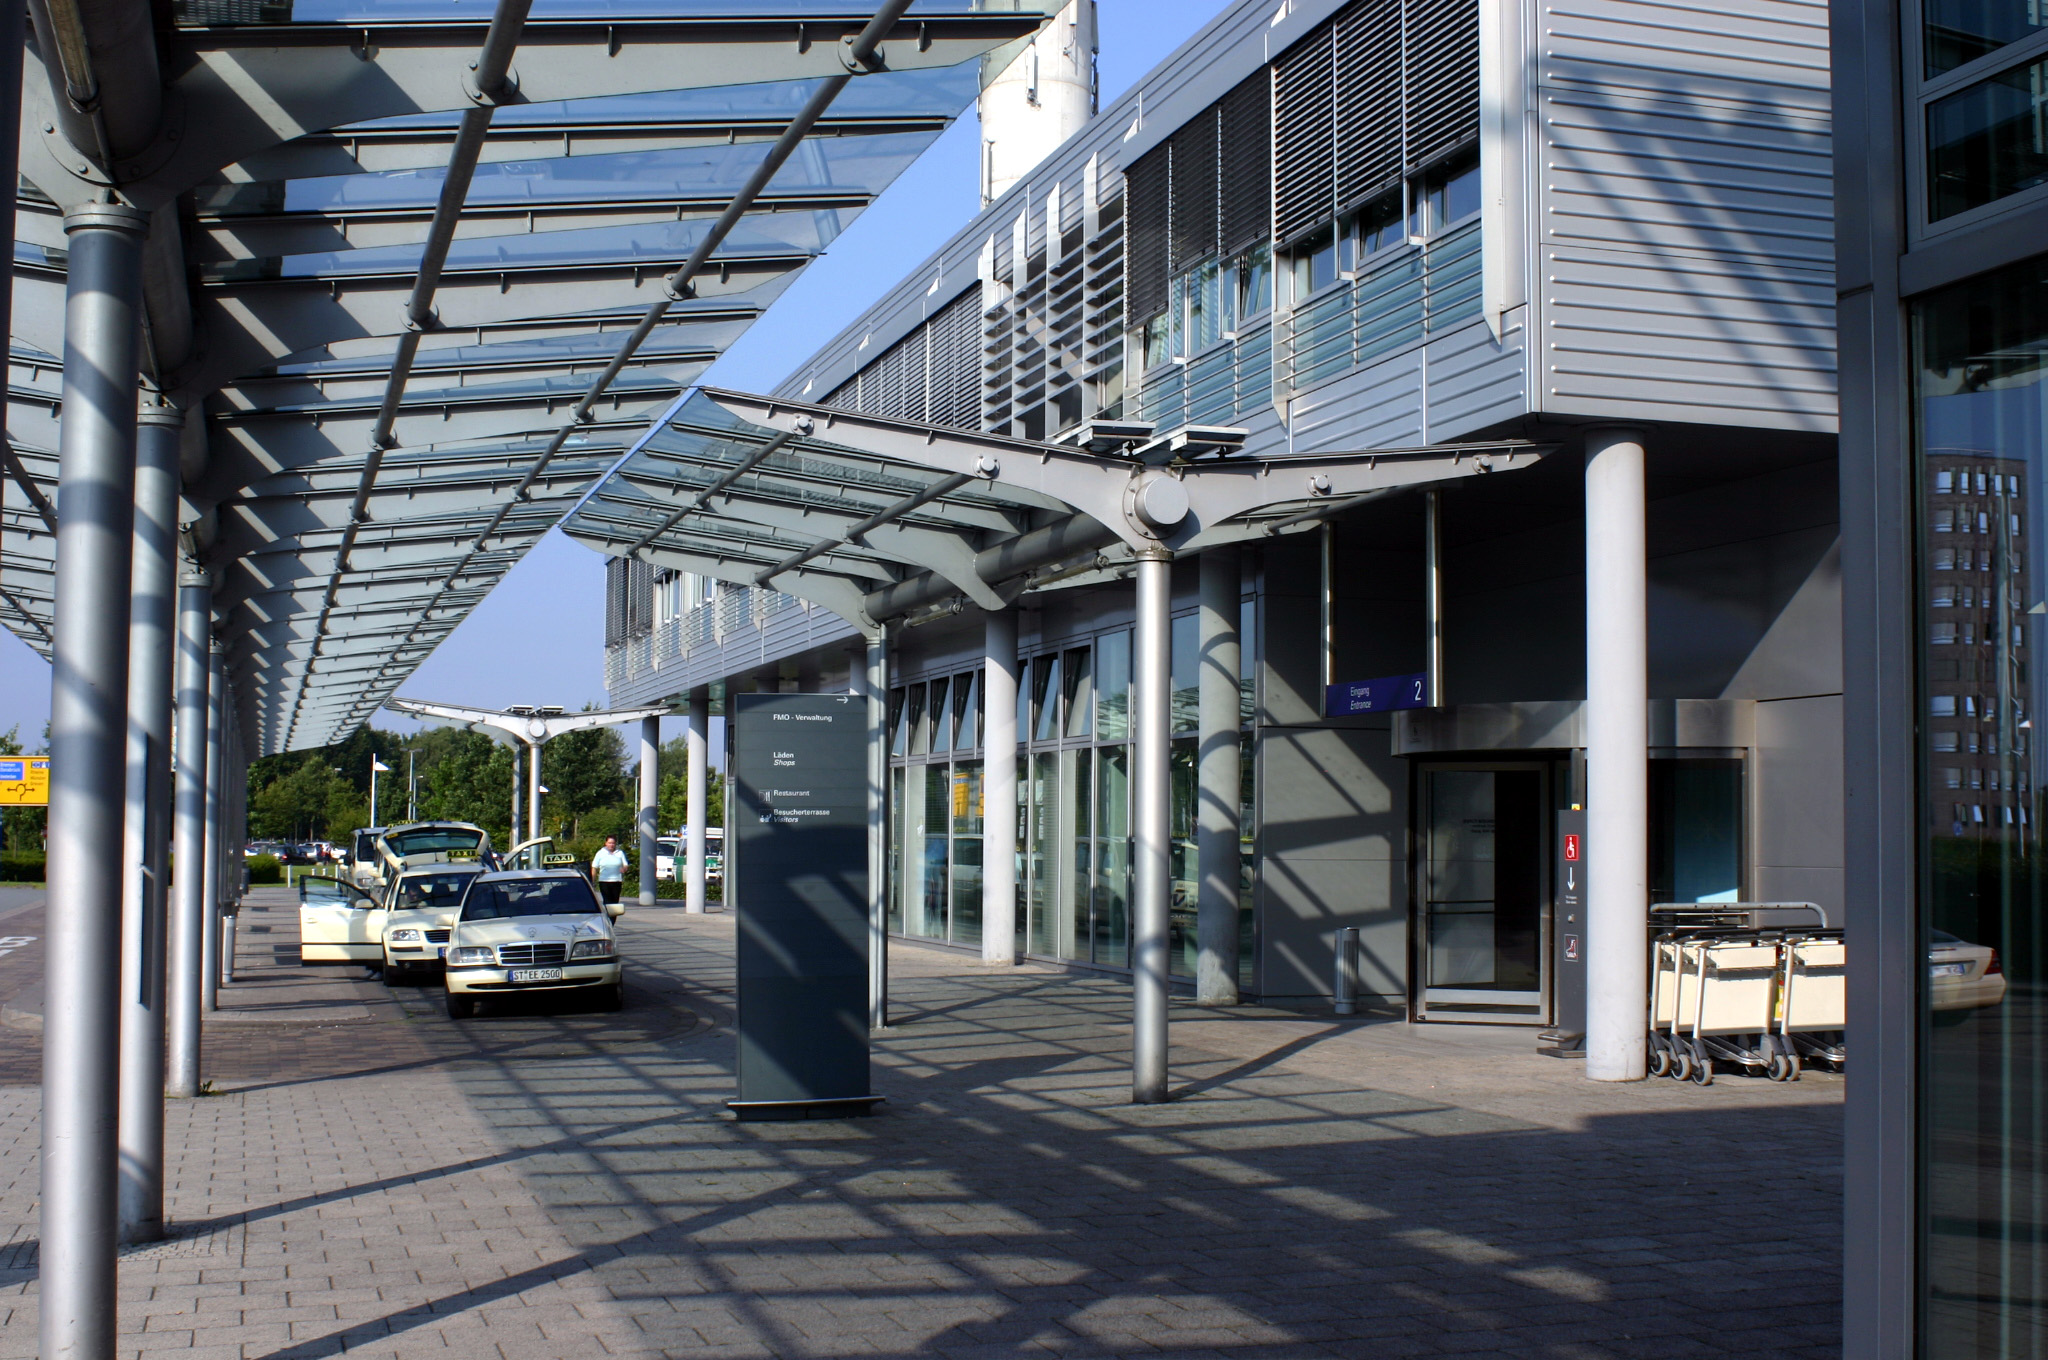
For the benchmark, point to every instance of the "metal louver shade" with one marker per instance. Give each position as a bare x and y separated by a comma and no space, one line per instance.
1246,136
1304,153
1147,250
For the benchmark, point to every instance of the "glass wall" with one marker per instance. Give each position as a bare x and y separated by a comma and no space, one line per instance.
1073,804
1979,406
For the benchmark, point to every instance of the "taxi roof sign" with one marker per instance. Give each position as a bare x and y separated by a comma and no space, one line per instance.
24,781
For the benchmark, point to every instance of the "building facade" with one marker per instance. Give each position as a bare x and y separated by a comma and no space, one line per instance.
1943,284
1374,227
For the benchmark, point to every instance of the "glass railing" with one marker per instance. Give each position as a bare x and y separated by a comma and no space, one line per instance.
1388,308
706,627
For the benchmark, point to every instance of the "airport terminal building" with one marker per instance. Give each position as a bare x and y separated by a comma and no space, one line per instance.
1362,228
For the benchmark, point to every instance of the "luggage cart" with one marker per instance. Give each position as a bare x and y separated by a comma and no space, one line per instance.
1813,1003
1723,978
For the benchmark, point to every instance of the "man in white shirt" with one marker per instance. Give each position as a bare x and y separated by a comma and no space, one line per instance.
608,867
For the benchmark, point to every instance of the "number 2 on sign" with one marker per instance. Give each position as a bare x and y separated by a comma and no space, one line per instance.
1418,691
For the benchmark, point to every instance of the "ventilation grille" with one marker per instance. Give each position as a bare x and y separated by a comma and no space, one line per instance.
1246,134
1305,178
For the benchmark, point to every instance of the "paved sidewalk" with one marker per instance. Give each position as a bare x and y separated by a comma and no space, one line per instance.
376,1179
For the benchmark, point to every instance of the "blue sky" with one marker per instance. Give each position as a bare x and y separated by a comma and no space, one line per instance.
556,593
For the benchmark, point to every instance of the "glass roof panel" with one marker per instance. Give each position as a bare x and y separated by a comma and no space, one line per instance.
201,13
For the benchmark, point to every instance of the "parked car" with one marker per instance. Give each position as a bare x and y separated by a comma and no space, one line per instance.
339,922
1961,978
420,910
533,931
670,850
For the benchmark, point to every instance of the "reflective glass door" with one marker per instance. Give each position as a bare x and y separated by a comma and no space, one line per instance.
1483,905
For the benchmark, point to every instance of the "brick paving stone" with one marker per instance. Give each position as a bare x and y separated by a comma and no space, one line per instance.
380,1182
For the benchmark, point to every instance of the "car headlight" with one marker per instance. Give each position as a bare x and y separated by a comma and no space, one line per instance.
472,954
405,936
591,949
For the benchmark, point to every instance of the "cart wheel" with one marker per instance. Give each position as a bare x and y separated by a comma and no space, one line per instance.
1779,1068
1681,1065
1660,1061
1702,1073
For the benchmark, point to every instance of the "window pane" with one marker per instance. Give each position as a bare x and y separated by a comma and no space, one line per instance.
933,823
1984,1186
1987,141
1187,690
1045,697
967,710
914,719
1042,793
1113,687
897,822
1080,803
899,730
1959,31
1182,942
1112,923
966,816
1080,700
942,718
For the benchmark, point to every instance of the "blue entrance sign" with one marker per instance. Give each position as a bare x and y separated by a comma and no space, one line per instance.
1383,695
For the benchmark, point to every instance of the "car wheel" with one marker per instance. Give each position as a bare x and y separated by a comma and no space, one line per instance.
460,1007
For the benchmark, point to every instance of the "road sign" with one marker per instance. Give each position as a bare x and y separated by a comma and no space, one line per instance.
1389,692
24,781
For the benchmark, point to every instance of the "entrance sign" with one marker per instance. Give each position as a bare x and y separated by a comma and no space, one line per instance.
798,875
1568,929
1389,692
24,781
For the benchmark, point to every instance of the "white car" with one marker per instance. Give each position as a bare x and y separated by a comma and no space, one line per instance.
533,931
1961,978
670,849
419,913
339,922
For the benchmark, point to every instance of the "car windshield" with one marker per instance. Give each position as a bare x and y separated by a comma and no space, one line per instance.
529,897
432,890
430,840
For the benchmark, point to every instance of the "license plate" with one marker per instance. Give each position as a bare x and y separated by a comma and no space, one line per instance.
536,975
1948,970
441,952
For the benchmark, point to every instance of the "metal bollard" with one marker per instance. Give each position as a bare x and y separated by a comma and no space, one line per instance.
1345,991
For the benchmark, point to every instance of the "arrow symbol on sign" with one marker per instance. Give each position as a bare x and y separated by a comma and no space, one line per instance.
1571,880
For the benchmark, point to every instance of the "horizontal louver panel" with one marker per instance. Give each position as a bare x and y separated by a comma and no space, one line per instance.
1194,214
1443,78
1246,115
956,363
1145,211
1368,81
1303,145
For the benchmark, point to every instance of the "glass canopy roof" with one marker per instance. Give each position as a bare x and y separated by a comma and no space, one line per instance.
380,428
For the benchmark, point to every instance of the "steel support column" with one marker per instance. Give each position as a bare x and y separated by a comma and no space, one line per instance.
216,711
1151,821
999,788
185,952
533,789
877,686
1617,757
152,643
1433,597
650,805
696,742
88,781
1220,779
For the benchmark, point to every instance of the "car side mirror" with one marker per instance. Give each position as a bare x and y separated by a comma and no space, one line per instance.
615,909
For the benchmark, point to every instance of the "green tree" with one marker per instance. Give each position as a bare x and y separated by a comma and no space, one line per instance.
467,777
675,789
584,771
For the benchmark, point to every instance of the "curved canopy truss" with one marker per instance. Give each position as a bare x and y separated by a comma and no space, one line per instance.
417,282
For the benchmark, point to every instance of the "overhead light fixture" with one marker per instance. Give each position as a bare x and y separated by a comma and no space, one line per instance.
1108,436
1195,441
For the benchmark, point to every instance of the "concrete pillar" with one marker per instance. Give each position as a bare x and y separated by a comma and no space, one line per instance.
999,788
216,720
1151,821
1219,779
1617,757
696,743
877,687
650,804
88,781
185,950
152,643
